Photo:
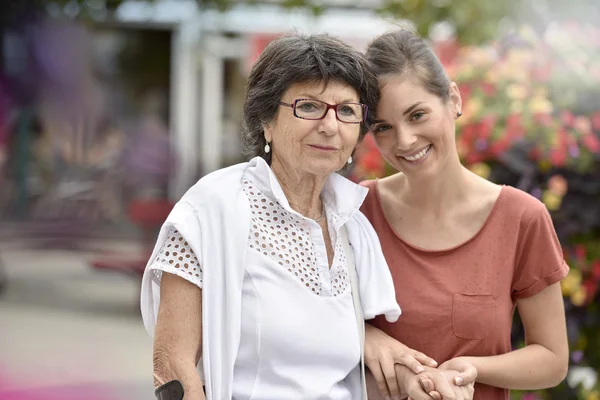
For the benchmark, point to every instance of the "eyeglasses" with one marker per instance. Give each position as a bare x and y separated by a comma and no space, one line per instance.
350,113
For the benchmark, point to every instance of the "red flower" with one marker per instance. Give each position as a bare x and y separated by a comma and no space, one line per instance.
468,133
542,73
558,157
465,93
591,142
372,162
513,120
563,138
591,288
596,270
486,126
596,120
474,157
567,117
580,252
543,119
535,153
447,50
499,146
489,89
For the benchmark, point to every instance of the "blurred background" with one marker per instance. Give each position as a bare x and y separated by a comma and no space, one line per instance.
110,109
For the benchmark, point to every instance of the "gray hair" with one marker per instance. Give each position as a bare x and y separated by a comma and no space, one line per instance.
297,58
403,51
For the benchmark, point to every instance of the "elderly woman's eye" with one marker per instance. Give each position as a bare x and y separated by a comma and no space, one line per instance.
347,110
307,106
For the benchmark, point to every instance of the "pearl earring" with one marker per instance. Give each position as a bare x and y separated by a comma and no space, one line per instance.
458,114
350,160
267,148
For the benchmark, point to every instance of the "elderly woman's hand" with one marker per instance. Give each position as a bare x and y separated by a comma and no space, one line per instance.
437,384
383,354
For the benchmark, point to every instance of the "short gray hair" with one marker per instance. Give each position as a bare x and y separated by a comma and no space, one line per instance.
297,58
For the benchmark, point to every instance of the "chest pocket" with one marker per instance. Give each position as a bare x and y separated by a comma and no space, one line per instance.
473,315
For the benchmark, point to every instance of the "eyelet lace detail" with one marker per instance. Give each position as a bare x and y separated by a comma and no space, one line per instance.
281,236
176,256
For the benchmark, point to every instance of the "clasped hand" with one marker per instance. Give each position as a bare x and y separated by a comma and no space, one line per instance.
402,372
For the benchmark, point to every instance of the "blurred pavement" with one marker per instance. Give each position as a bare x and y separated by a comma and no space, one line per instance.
70,332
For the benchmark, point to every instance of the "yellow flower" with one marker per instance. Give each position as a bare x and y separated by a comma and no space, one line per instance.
516,91
544,166
579,296
520,58
541,91
527,33
551,200
571,283
473,108
492,75
540,105
593,396
481,169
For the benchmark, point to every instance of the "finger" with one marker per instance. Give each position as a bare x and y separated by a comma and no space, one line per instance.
471,389
427,384
458,392
465,393
424,359
443,387
389,372
467,376
415,390
435,395
409,361
380,379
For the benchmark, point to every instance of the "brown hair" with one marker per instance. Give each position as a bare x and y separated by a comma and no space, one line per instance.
402,51
297,58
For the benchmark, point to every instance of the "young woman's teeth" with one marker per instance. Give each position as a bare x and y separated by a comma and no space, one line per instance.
421,154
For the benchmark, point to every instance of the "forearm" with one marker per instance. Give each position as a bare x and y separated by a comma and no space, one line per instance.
531,368
168,367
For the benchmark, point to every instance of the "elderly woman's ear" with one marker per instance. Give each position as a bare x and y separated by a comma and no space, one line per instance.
268,132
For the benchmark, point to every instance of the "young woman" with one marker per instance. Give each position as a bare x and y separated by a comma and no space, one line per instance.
463,252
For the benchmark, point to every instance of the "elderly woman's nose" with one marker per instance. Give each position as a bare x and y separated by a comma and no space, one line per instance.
330,122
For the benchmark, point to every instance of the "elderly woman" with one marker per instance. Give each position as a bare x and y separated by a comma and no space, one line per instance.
252,273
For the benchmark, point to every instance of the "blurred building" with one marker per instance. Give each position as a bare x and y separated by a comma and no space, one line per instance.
211,55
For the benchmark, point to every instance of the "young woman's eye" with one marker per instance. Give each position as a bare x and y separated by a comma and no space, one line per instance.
417,116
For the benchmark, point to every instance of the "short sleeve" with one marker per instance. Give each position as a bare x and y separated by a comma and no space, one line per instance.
539,261
175,256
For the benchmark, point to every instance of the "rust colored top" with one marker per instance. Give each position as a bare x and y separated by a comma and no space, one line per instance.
461,301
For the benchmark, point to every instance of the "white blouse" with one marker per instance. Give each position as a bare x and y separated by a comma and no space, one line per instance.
277,322
299,335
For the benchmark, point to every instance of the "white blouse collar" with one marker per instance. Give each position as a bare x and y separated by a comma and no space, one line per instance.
341,196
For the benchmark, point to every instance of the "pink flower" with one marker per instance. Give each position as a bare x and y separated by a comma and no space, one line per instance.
558,157
591,142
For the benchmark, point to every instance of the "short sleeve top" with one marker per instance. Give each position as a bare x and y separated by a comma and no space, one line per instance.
461,301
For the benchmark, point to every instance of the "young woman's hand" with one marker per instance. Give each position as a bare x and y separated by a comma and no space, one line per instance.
383,354
467,373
